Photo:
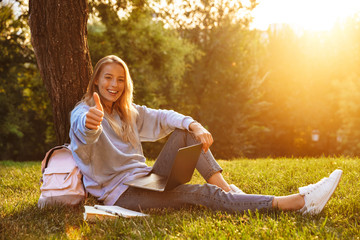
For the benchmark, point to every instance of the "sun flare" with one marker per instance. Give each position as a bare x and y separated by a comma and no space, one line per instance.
313,15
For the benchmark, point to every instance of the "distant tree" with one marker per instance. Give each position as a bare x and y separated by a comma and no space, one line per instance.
59,37
346,81
221,88
312,87
348,134
25,122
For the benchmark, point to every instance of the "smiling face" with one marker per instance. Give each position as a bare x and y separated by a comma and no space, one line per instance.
111,84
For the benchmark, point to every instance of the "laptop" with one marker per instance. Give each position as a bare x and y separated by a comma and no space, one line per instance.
181,172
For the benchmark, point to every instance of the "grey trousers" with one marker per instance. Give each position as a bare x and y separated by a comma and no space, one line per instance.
207,195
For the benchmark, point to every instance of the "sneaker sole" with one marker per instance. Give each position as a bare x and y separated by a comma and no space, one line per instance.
322,204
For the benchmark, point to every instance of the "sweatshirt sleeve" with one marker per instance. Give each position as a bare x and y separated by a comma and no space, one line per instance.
79,133
154,124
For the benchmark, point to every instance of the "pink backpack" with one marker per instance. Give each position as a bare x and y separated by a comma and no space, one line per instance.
61,179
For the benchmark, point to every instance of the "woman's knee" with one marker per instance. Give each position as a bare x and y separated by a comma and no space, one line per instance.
180,131
187,137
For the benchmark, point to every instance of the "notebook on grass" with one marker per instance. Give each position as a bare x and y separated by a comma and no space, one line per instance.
181,171
119,211
101,212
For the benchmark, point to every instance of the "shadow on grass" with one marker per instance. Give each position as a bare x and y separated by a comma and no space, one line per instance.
31,222
59,222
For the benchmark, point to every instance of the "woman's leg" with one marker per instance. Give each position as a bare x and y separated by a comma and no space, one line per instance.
291,202
207,195
310,200
218,180
207,165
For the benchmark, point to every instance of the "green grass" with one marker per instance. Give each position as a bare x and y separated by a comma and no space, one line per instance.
21,219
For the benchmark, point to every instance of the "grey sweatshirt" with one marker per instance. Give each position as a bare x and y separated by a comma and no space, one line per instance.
105,160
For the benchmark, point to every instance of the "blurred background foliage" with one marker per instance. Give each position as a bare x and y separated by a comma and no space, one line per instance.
25,114
278,92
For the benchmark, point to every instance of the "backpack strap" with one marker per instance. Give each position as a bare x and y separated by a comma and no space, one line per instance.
50,153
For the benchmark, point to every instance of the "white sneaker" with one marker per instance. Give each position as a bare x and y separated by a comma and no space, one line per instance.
235,189
318,194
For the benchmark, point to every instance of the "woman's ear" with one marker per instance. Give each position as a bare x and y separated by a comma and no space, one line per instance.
96,82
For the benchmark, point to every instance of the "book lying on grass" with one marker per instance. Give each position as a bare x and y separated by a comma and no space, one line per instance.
107,212
91,214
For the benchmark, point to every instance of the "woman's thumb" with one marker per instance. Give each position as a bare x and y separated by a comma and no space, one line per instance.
97,102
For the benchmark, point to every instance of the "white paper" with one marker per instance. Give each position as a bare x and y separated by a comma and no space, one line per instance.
93,211
123,212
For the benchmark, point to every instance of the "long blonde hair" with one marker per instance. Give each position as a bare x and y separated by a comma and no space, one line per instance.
123,106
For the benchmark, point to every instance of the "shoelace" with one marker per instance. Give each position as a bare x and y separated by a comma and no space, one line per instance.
312,187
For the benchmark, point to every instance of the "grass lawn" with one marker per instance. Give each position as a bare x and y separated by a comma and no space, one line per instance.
21,219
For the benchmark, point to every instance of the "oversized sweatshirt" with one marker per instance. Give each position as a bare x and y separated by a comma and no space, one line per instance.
105,160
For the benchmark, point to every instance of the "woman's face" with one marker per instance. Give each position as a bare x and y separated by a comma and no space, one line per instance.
111,83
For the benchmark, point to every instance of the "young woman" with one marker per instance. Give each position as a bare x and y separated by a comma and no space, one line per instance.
107,129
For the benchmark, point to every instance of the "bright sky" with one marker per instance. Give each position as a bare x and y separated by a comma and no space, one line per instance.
317,15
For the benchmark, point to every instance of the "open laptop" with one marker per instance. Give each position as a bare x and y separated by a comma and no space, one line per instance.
181,171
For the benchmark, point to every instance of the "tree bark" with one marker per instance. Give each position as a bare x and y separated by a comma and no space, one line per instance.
59,37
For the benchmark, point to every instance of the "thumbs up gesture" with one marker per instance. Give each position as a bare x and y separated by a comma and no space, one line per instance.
95,114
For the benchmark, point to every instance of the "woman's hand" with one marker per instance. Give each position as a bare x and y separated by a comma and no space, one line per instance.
95,114
201,134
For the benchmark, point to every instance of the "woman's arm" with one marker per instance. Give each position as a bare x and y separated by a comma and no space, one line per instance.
82,130
154,124
95,114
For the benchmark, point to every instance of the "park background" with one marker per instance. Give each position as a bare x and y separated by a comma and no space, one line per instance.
279,91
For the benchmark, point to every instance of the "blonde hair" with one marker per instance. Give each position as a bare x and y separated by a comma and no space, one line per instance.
123,106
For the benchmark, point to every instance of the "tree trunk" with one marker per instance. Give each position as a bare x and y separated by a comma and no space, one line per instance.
59,37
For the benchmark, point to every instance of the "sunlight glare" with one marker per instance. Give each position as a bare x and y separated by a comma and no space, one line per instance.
313,15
